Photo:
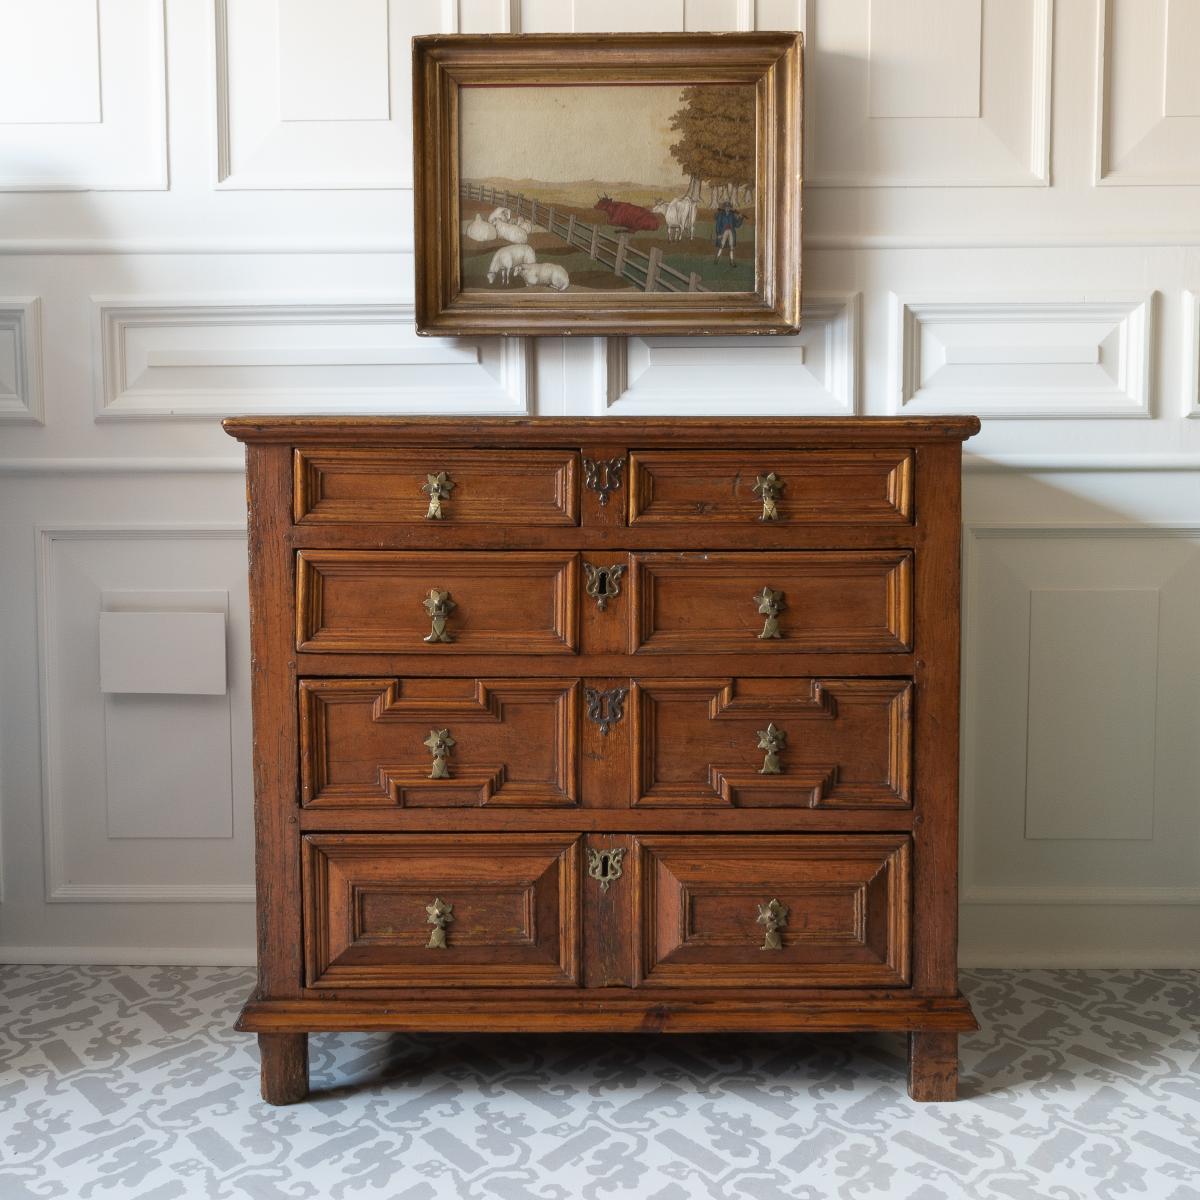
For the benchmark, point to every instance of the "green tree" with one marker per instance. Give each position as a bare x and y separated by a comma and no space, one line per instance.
717,143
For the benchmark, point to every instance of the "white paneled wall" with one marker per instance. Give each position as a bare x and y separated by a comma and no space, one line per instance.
205,208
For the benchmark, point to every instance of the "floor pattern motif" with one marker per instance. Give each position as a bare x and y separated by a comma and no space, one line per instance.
122,1083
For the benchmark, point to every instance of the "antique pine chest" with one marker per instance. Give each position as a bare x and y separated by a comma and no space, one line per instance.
610,724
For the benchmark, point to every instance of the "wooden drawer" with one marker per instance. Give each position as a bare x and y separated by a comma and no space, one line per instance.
844,917
477,487
506,602
838,600
438,743
813,487
512,919
772,743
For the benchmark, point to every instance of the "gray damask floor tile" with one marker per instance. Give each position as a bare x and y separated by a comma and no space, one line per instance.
121,1083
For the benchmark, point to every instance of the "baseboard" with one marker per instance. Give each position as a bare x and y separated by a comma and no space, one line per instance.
1084,960
129,956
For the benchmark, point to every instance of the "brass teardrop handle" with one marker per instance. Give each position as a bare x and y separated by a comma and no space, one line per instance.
769,487
437,486
771,740
770,605
440,915
440,744
773,916
439,606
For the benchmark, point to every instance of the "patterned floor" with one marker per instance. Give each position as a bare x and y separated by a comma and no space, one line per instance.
121,1083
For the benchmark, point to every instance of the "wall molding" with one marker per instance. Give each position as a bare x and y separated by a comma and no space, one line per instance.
121,366
1129,322
58,887
829,336
970,892
1190,351
122,466
21,321
129,956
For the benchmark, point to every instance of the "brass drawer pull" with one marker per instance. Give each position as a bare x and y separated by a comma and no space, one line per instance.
437,486
440,744
770,604
774,917
769,487
605,865
771,740
439,606
440,915
603,583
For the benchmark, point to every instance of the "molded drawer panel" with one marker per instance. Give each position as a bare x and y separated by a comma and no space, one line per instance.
507,907
813,487
818,600
840,904
772,743
438,743
504,602
476,487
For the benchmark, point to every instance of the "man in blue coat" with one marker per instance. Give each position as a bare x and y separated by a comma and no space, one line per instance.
725,228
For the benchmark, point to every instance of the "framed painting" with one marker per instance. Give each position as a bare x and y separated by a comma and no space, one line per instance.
626,183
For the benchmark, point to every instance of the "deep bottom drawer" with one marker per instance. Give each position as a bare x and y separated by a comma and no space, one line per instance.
791,911
431,910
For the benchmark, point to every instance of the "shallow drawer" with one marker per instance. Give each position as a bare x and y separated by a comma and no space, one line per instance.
811,487
442,603
772,743
438,743
803,911
465,487
431,910
843,600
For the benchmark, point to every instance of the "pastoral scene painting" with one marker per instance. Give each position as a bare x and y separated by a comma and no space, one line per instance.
645,188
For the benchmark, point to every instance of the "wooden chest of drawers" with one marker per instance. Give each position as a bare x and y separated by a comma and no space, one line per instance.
605,724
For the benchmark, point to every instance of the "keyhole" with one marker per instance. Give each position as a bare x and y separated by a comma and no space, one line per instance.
602,583
604,865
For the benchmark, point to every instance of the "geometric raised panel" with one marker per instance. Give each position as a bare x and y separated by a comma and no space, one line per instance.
316,95
1148,97
1093,677
186,361
697,742
21,361
929,93
146,797
83,96
813,374
1081,682
363,742
1012,358
1191,354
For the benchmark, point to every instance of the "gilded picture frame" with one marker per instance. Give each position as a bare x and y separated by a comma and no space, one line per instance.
512,135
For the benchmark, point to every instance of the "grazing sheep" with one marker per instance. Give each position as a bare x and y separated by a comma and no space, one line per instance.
509,232
508,259
547,274
501,214
480,230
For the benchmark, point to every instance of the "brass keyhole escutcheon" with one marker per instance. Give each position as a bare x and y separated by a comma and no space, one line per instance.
603,583
605,865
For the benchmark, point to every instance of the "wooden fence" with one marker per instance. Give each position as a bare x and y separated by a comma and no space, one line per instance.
645,271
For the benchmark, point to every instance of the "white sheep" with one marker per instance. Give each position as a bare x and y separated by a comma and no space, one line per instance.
509,232
480,230
501,214
525,223
547,274
508,259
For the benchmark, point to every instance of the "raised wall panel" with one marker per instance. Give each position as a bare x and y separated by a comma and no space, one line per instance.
1148,92
145,798
162,359
1081,685
21,360
316,95
82,95
814,373
1190,349
1093,678
928,92
1021,358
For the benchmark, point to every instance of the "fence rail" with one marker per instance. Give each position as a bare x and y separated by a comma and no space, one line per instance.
645,271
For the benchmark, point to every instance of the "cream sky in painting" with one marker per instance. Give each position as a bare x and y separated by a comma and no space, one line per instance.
569,133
